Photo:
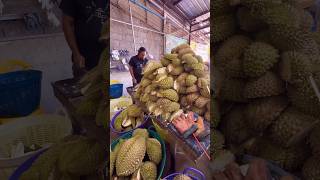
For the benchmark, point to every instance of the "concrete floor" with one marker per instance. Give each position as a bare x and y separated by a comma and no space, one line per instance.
124,78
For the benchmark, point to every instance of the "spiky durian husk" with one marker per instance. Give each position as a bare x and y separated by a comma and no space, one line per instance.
154,150
170,94
267,85
215,109
148,170
294,67
81,158
291,127
287,158
223,28
234,126
218,142
220,7
261,113
249,22
314,141
305,99
295,39
130,156
311,169
228,56
259,58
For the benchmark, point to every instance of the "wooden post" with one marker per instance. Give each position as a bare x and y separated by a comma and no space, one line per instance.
134,39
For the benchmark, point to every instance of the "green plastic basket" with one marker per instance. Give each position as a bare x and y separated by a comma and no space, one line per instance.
152,134
164,134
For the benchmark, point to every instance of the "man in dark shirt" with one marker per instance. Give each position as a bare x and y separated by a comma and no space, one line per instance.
137,63
82,23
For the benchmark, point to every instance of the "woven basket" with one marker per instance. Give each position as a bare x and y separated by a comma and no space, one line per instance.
40,130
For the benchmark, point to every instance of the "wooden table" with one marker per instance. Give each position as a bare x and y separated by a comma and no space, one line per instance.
81,125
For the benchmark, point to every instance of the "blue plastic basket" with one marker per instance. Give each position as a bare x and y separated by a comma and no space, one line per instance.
20,93
116,91
200,175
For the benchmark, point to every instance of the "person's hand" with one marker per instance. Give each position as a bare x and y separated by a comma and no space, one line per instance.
182,123
257,170
79,60
220,176
233,171
134,81
201,127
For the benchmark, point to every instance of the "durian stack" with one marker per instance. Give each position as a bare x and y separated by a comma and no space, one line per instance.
72,158
94,88
265,55
129,118
179,81
136,158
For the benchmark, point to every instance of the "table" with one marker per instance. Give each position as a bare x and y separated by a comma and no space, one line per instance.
69,94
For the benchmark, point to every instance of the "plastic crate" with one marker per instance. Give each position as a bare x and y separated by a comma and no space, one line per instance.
116,91
20,93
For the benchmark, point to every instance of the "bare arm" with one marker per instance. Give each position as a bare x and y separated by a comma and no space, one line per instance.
69,33
131,72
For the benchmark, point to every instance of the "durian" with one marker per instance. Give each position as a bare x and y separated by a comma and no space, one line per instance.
149,171
261,113
130,156
191,80
267,85
259,58
310,169
170,94
154,150
223,27
291,127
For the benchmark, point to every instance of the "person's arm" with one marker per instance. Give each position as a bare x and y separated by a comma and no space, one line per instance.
131,63
69,33
68,8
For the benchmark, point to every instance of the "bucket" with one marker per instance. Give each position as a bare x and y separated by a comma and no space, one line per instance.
20,93
200,175
142,125
152,134
115,91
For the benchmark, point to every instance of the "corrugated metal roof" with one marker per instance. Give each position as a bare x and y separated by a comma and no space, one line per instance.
193,8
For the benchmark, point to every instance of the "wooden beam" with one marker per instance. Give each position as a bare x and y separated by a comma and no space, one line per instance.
208,19
201,14
177,2
200,28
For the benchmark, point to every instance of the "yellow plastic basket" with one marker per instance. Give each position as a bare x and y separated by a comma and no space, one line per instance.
13,65
114,82
36,129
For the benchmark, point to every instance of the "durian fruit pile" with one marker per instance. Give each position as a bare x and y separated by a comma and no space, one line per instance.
72,158
265,55
94,88
136,158
179,81
129,118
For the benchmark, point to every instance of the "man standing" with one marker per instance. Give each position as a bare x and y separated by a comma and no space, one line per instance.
137,63
82,23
